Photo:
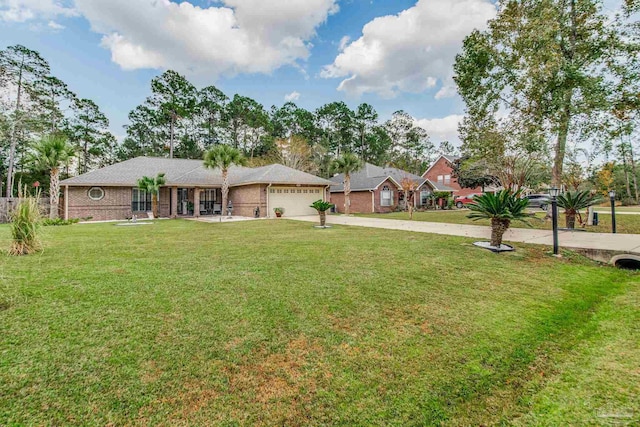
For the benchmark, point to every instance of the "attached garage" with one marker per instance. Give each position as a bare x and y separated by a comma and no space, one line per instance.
295,201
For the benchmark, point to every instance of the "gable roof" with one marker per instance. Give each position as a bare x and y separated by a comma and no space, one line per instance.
440,187
190,173
447,157
371,177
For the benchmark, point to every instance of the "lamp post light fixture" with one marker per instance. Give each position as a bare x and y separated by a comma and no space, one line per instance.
553,192
612,197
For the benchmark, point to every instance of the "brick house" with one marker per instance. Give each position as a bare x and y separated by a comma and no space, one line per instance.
441,172
377,190
191,190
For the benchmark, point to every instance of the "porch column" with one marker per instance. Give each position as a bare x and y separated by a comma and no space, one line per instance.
174,202
196,202
66,202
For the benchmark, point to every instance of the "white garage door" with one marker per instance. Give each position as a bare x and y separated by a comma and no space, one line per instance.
294,200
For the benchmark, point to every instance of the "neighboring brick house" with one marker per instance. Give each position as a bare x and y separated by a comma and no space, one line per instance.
378,190
441,172
191,190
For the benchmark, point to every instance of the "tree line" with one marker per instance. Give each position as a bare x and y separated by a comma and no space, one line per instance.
34,103
180,120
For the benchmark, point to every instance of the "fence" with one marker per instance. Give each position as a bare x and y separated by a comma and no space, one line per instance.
7,205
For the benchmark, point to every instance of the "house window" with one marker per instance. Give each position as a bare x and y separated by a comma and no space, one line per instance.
96,193
386,196
447,179
440,179
424,197
140,200
208,198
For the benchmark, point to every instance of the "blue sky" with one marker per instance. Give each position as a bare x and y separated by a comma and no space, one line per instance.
393,54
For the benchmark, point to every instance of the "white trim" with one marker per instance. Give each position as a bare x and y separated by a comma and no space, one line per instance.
433,164
95,199
398,186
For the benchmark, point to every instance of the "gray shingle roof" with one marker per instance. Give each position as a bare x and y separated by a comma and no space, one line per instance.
190,173
440,187
371,176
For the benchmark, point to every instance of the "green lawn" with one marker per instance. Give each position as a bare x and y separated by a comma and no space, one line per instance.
626,224
619,209
278,323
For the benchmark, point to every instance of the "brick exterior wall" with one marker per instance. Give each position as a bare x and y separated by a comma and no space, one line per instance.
115,205
361,200
441,167
246,198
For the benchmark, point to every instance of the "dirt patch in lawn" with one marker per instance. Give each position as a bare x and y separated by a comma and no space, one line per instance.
281,383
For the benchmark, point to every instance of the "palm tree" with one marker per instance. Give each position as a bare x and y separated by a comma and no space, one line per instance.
574,202
501,209
346,164
223,157
152,186
51,153
322,207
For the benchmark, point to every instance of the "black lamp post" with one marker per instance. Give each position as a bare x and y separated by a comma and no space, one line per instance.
553,192
612,197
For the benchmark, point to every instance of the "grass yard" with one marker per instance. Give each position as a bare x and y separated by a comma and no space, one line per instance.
625,224
278,323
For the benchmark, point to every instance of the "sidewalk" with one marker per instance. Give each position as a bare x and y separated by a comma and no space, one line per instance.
568,239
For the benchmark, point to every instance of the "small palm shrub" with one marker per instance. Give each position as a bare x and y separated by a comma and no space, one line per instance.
25,225
574,202
322,207
501,208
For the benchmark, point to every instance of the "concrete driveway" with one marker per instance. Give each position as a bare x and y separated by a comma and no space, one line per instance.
629,243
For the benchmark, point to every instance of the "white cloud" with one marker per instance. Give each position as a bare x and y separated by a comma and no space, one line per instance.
442,129
27,10
293,96
239,36
55,26
344,41
411,51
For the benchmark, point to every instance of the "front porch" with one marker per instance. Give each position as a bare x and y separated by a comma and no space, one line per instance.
194,202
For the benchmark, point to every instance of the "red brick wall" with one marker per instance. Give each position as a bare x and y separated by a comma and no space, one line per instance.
378,197
441,167
247,197
361,200
115,205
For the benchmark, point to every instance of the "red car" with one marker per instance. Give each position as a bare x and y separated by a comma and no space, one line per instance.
464,200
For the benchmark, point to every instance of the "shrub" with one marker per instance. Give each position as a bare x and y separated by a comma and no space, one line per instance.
25,225
59,221
501,208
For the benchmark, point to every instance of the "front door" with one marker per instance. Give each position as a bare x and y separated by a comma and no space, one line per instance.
183,202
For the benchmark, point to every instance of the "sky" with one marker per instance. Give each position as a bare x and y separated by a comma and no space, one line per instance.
392,54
